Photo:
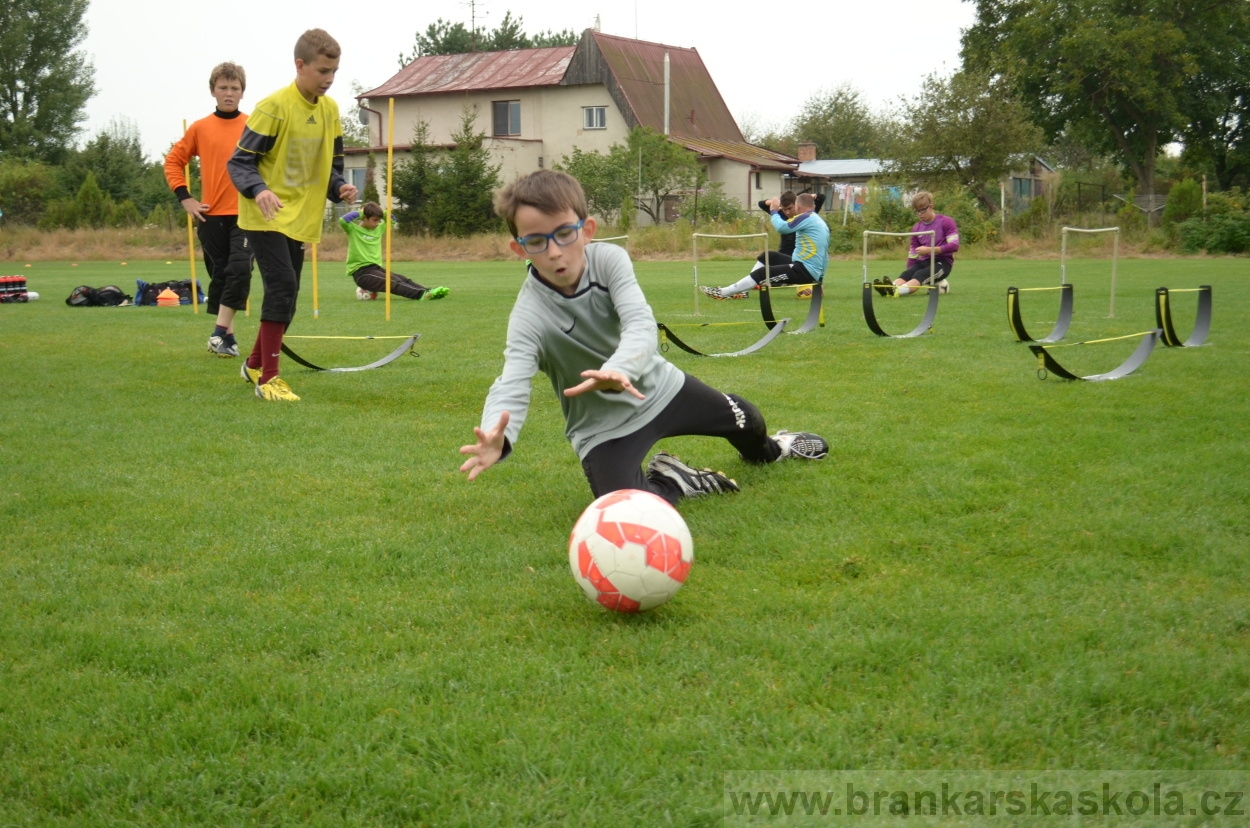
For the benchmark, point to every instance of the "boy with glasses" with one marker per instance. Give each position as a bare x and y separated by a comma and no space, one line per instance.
945,242
582,319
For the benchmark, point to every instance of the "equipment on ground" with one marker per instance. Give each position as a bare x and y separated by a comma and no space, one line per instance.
1061,324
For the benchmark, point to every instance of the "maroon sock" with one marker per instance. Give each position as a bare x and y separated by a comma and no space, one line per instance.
253,359
270,343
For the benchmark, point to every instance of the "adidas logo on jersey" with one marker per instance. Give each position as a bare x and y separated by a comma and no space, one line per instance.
311,120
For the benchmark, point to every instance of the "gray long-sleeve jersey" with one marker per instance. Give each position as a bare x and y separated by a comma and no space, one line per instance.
607,324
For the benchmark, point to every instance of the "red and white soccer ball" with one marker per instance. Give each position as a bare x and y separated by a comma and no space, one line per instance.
630,551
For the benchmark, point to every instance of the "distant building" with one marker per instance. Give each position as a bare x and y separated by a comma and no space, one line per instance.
536,105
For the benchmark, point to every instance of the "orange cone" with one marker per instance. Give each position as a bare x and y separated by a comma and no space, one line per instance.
167,299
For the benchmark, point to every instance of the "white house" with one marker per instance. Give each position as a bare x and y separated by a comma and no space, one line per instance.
536,105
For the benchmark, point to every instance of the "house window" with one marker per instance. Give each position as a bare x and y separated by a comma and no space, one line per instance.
507,117
595,117
359,175
758,184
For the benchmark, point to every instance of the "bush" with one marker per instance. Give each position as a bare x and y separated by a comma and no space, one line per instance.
62,212
124,214
712,205
1224,227
25,188
967,213
1184,202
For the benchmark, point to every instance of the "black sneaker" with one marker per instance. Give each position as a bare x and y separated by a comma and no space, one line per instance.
879,289
691,482
801,444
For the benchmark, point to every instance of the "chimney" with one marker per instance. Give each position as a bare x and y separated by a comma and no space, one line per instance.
807,152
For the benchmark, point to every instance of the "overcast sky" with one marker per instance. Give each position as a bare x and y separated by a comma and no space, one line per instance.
152,59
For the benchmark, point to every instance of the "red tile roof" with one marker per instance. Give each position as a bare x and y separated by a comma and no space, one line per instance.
696,106
477,70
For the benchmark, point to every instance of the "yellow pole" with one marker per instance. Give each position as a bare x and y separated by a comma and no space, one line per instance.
390,203
195,294
316,312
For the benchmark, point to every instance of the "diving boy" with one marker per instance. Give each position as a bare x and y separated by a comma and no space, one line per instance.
581,318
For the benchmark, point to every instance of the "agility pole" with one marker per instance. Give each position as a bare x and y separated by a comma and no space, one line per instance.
195,293
390,202
1058,332
870,314
1202,321
1115,257
1046,362
694,240
409,345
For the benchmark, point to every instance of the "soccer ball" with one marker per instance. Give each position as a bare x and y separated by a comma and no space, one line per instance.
630,551
365,295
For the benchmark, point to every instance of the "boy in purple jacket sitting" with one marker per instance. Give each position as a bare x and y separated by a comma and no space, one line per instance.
945,242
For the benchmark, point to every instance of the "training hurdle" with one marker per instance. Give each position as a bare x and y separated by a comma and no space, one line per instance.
815,313
870,315
667,335
408,345
615,239
1061,324
1046,362
1202,322
694,241
1115,257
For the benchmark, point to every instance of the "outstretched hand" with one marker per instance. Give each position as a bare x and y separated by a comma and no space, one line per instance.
488,449
603,381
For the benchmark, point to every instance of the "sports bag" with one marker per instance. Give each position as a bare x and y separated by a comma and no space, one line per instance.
146,293
85,296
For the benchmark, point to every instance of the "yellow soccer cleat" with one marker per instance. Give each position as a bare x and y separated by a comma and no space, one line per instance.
276,389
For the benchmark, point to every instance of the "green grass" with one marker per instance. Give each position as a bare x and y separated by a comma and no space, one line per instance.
218,611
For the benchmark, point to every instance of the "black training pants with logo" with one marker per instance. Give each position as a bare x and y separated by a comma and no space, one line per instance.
228,258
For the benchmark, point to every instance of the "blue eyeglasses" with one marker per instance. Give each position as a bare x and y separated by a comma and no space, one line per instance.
563,236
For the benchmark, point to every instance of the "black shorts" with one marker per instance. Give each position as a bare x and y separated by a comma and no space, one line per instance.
281,259
920,271
698,409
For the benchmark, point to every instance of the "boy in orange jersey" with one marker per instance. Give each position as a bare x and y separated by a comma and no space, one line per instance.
226,254
288,162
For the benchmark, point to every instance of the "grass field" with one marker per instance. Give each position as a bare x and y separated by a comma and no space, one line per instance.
219,611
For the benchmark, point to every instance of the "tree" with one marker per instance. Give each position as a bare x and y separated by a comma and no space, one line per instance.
447,38
447,193
463,185
1113,73
604,178
92,204
1217,100
659,167
370,192
840,124
965,131
411,182
44,82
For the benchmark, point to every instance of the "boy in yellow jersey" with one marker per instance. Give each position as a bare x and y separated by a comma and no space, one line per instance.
226,255
289,160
